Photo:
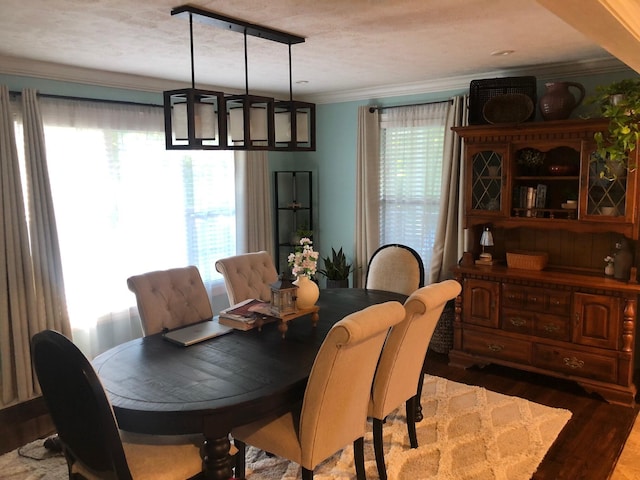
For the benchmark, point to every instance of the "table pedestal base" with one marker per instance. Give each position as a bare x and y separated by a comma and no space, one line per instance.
216,461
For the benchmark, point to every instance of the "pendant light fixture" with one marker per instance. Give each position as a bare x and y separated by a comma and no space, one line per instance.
295,122
194,119
200,119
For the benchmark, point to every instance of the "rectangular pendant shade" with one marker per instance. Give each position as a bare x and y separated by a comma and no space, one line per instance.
251,122
299,134
193,119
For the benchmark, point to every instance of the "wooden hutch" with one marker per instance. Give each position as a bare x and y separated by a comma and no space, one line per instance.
568,320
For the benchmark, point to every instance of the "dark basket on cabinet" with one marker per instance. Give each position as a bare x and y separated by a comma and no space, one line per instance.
480,91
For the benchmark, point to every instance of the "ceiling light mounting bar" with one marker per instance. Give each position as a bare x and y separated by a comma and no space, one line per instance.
229,23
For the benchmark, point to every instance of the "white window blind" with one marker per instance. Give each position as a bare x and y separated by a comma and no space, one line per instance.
411,156
124,205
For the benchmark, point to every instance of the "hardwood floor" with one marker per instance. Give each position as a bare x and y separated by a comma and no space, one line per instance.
587,448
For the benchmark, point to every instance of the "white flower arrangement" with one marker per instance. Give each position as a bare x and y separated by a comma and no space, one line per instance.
609,259
304,261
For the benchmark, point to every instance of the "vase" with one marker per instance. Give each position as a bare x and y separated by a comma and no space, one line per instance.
557,102
609,270
308,292
623,261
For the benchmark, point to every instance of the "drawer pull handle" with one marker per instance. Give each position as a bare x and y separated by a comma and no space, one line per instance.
573,362
518,321
495,347
551,328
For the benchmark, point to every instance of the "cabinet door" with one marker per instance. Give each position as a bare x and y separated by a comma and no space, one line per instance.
609,190
486,178
596,320
480,302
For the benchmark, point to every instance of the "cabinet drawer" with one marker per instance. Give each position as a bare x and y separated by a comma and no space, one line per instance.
559,302
552,326
517,321
497,347
536,299
572,362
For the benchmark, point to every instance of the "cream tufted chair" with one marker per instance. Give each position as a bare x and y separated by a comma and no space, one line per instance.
248,276
399,374
395,268
170,298
91,442
334,409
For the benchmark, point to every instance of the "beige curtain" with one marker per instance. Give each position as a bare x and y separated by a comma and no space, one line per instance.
18,310
367,186
254,230
449,245
45,251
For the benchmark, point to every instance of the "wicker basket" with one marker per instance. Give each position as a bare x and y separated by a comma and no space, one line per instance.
442,338
480,91
527,260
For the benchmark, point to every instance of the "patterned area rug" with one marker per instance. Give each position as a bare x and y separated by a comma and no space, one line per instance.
468,433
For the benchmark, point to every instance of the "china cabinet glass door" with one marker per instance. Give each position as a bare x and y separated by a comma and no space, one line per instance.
487,173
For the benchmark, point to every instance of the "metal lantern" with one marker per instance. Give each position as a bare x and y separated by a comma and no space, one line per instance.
283,296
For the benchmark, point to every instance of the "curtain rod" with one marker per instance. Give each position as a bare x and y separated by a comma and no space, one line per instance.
86,99
373,109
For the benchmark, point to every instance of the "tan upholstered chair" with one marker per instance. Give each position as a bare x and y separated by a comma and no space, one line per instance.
170,298
395,268
91,442
399,374
334,409
248,276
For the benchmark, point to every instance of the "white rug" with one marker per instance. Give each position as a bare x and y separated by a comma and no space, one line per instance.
468,433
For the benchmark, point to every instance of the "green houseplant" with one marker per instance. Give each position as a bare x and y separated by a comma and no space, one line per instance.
620,103
336,269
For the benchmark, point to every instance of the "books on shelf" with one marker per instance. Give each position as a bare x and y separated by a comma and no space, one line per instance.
241,316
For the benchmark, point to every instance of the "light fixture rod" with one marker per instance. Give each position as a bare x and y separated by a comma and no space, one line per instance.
193,74
246,65
236,25
290,77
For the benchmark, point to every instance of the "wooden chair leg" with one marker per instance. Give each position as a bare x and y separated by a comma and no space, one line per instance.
411,421
240,459
378,447
358,458
307,474
419,417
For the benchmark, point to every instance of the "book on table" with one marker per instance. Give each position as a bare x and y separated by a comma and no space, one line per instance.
241,316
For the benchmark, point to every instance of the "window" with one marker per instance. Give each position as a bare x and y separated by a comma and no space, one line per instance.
124,205
411,156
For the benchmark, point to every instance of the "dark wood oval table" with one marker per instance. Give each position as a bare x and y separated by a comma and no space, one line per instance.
157,387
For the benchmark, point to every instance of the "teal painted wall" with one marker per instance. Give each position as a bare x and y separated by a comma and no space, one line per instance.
333,163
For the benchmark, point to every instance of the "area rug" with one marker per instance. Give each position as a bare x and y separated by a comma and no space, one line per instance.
468,433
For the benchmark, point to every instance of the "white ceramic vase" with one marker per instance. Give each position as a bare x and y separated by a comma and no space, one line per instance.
609,270
308,292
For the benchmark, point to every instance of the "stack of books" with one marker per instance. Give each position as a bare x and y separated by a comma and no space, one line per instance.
242,316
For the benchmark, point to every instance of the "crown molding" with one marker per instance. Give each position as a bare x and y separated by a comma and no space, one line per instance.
546,72
66,73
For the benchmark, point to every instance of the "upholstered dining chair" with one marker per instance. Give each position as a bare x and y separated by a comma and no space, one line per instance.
248,275
169,299
398,378
333,411
87,429
395,268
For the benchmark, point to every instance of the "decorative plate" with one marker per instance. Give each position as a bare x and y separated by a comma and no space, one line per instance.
508,108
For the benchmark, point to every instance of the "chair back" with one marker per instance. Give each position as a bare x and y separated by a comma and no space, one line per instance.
401,362
170,298
395,268
78,406
249,275
335,402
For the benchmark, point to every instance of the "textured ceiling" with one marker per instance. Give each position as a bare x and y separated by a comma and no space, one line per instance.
351,45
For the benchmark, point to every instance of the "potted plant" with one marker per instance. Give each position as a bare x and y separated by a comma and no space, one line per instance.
620,103
336,269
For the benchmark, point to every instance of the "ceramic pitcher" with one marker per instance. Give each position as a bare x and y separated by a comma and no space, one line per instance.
558,102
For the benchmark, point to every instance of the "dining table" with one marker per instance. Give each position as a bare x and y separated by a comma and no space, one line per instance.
158,387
